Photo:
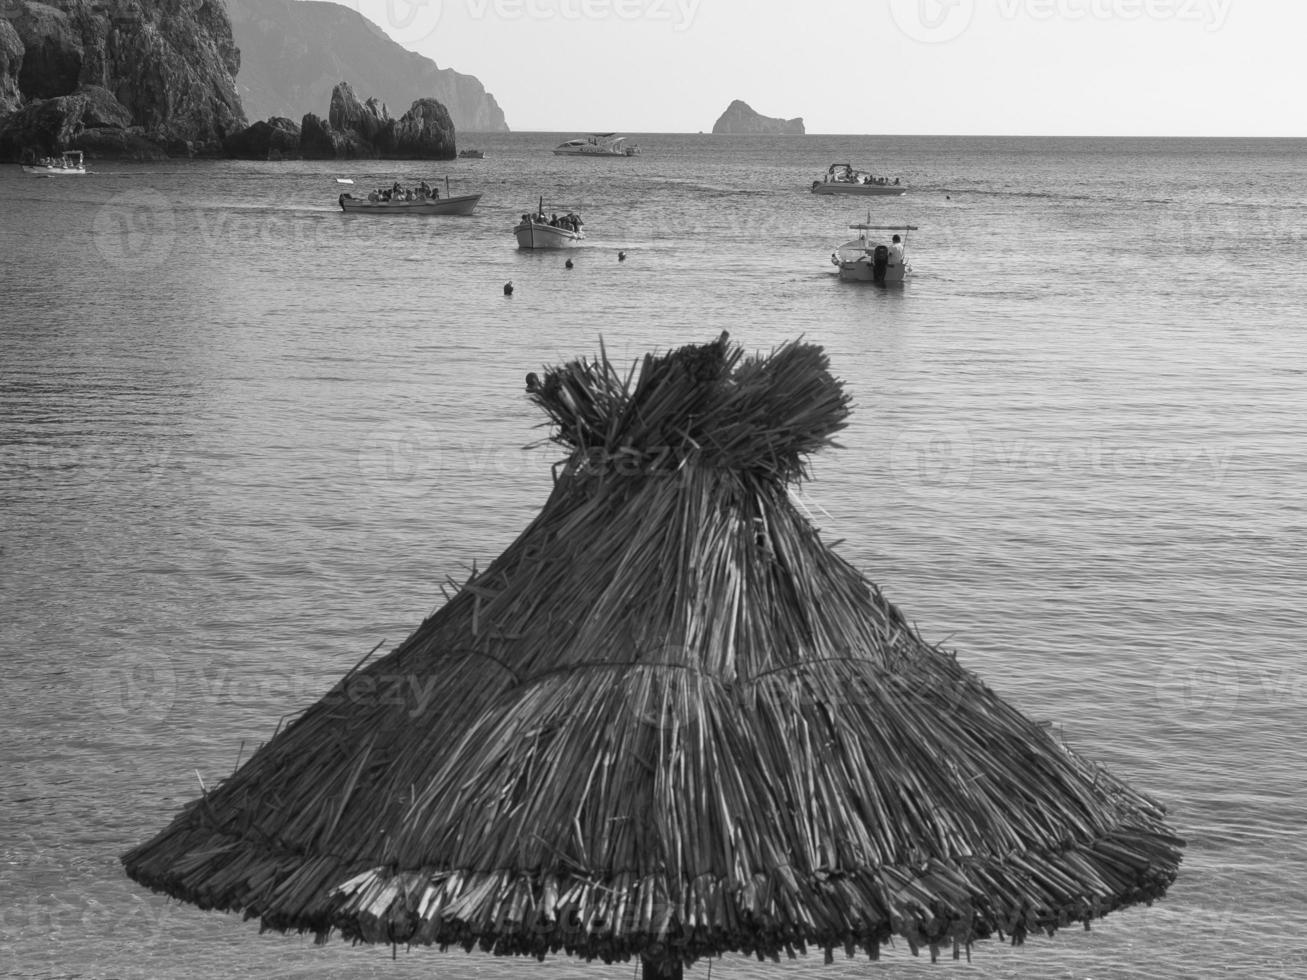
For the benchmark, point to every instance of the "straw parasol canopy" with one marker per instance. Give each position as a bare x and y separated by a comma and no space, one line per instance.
668,722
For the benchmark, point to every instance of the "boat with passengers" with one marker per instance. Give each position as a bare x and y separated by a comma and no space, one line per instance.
70,163
870,258
539,229
842,178
397,199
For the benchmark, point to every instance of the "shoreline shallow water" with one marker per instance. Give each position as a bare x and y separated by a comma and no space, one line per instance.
244,438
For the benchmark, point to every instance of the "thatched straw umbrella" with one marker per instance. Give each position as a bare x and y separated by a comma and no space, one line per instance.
668,722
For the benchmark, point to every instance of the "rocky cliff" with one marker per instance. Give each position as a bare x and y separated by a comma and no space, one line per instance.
135,78
740,120
352,129
294,51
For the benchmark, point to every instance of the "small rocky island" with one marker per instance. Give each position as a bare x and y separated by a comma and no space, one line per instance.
740,120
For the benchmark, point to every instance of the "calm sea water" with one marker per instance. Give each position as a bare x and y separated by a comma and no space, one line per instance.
245,438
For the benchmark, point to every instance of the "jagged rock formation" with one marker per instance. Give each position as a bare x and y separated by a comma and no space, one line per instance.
273,139
740,120
352,129
117,77
294,51
425,132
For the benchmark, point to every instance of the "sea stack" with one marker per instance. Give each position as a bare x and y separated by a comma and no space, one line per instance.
741,120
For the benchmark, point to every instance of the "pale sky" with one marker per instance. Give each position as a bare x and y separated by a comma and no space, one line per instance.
1001,67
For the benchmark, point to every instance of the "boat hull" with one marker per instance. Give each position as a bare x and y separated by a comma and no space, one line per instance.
862,270
464,204
856,261
54,171
857,190
595,153
533,234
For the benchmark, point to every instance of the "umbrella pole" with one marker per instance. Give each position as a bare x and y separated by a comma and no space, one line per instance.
661,969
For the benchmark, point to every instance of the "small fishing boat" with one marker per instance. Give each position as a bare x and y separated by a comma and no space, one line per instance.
597,145
841,178
541,230
871,259
472,154
68,164
422,199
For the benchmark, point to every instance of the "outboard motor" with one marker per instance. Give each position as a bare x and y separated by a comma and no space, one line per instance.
879,263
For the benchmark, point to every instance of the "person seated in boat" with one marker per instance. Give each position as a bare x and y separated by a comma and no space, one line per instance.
896,250
425,189
896,182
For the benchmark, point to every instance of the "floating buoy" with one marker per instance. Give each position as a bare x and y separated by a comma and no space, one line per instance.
508,288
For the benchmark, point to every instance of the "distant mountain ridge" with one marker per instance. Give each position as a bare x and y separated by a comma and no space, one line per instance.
294,52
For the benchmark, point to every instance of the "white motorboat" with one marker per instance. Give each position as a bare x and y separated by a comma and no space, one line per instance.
68,164
597,145
870,258
422,199
541,230
841,178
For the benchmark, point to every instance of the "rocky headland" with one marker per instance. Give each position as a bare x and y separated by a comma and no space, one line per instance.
128,79
740,120
353,129
294,51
